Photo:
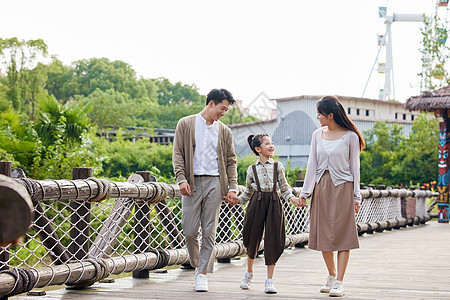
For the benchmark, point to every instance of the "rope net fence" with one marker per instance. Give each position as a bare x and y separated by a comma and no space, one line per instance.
85,230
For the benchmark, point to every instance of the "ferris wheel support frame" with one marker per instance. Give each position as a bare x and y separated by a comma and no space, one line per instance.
389,74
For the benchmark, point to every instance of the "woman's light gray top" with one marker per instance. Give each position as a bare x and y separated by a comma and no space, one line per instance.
342,163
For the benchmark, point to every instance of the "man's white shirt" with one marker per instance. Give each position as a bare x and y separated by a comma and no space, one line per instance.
205,154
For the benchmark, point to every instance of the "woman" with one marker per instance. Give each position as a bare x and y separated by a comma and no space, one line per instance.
332,181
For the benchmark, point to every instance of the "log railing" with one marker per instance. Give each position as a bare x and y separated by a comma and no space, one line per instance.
86,228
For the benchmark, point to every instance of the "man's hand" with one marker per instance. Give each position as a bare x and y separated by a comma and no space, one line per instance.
185,189
357,206
232,198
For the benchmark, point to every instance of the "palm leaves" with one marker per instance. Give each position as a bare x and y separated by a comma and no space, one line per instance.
56,123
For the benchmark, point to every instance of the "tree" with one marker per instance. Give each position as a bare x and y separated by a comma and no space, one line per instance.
19,56
103,74
394,159
435,54
172,94
419,162
18,142
382,153
61,123
235,115
110,108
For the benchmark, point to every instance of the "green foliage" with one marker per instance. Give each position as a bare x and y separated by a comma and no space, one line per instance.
56,122
170,94
23,79
123,157
435,54
235,115
17,141
110,108
242,166
393,159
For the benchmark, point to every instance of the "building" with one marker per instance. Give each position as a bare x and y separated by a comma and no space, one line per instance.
295,121
161,136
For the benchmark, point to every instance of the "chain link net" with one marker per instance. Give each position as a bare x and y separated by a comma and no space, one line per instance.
67,231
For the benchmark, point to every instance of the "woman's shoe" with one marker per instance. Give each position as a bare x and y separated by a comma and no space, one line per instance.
337,290
328,285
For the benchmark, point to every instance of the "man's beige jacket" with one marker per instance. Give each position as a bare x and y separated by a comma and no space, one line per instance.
183,154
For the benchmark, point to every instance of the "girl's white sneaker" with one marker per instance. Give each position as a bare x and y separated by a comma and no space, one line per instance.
270,288
245,283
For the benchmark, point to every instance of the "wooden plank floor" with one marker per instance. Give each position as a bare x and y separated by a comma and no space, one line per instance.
410,263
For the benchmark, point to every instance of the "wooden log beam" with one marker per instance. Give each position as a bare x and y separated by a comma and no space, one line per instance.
156,191
16,210
84,271
83,190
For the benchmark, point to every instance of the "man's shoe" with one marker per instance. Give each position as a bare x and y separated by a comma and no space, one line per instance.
201,283
270,288
328,285
337,290
245,283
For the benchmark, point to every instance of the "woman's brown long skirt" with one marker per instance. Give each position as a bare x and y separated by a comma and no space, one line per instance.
332,216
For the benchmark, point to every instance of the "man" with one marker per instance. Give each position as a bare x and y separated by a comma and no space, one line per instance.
204,164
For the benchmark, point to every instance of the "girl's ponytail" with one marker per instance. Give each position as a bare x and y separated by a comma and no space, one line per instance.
255,141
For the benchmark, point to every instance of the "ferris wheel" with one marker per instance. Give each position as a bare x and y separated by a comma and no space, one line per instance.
385,65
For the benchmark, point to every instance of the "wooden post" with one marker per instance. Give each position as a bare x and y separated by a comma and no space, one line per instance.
5,169
142,227
408,209
80,220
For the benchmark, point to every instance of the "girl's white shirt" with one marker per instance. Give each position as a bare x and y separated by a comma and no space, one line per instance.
342,162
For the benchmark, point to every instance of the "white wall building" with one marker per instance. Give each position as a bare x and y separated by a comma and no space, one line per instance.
295,122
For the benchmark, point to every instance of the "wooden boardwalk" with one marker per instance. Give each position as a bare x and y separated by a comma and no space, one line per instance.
410,263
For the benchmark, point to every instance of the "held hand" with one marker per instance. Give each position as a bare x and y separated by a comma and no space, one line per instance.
14,243
296,202
357,206
302,201
227,198
232,198
185,189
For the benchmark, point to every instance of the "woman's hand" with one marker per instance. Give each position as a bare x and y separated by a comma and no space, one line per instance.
357,207
302,201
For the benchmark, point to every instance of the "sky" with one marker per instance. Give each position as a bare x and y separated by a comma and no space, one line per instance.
283,48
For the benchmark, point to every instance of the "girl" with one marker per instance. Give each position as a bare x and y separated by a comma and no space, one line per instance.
332,179
265,210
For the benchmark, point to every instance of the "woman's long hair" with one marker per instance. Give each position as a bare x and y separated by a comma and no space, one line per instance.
331,104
